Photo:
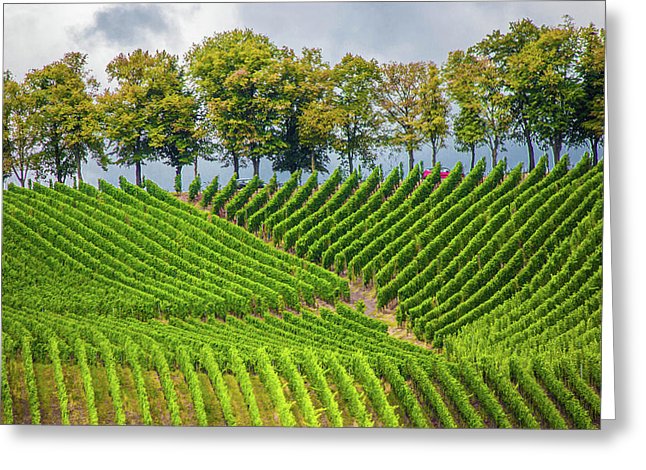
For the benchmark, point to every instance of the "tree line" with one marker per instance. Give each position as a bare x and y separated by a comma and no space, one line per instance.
238,98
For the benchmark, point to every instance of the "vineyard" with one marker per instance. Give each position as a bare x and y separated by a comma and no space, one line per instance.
371,300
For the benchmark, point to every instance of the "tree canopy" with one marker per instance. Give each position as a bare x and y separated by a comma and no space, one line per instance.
67,125
150,114
503,50
414,105
548,63
589,125
238,77
475,83
238,98
356,120
20,144
307,86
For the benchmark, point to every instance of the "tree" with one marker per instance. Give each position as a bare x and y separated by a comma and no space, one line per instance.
435,111
589,125
20,151
502,50
149,114
353,114
128,114
414,106
306,86
180,138
236,75
474,82
469,132
68,124
549,67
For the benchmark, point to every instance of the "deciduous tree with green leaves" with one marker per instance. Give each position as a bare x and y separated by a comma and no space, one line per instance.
306,86
355,119
469,132
149,114
69,121
547,67
474,82
237,77
20,149
502,50
589,125
181,137
435,111
414,105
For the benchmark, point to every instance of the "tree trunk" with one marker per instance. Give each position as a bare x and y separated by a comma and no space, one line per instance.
195,167
59,170
473,156
595,151
79,176
530,150
22,174
556,151
411,160
59,167
236,165
21,178
313,163
494,156
350,163
434,154
138,173
256,166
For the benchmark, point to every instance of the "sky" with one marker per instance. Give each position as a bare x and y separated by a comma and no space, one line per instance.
37,34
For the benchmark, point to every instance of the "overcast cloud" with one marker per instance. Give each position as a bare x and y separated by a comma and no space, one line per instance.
401,31
37,34
125,25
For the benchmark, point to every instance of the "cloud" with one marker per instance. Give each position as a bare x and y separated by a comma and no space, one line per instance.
38,34
125,24
400,31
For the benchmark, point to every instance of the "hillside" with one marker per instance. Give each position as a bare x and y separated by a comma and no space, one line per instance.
128,306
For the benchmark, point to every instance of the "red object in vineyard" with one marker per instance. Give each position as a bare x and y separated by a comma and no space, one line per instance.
444,173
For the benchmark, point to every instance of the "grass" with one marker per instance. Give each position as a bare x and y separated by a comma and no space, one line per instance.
267,413
294,408
348,420
16,376
103,400
429,412
50,412
129,396
237,401
214,414
75,394
184,399
368,404
158,407
394,402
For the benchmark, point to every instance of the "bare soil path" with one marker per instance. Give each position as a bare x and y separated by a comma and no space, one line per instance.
369,297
